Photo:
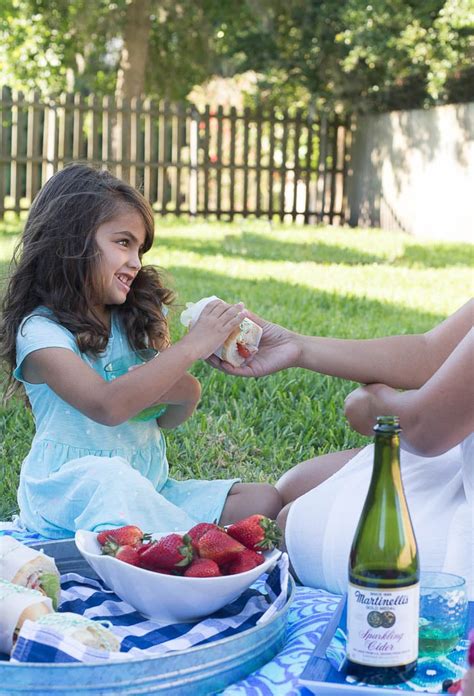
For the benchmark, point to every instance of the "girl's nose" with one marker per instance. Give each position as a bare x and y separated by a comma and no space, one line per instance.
135,261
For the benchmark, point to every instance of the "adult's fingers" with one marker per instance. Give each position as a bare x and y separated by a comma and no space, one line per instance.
255,317
228,369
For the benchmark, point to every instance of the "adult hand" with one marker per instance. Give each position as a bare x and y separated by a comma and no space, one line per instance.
278,350
364,404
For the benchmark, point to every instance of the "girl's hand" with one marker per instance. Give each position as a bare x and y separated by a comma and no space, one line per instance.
278,349
216,321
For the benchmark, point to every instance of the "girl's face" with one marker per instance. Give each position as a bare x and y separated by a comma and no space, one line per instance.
120,242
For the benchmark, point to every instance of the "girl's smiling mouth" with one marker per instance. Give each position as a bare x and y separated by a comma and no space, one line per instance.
124,281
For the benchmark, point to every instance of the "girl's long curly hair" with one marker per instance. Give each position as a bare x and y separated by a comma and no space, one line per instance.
56,262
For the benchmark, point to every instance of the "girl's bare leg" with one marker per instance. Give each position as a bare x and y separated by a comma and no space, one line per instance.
246,499
310,473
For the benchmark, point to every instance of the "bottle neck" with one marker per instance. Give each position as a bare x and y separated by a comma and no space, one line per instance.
386,468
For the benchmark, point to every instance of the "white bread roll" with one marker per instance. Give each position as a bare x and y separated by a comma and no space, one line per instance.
242,342
30,568
84,630
17,604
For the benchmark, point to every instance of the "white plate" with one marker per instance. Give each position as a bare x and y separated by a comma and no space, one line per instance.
168,598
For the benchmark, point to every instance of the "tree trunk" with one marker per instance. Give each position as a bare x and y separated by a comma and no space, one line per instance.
130,78
131,73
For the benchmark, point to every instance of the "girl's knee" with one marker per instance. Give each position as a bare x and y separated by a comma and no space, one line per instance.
247,499
271,500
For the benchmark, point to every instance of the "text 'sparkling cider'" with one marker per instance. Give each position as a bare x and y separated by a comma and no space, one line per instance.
383,591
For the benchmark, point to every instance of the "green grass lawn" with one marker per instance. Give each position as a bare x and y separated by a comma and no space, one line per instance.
316,280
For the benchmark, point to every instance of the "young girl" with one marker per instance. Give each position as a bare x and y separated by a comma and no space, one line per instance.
78,299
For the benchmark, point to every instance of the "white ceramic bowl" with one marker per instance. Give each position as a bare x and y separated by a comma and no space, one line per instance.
168,598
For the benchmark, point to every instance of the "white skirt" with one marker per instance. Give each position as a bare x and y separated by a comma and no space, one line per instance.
439,490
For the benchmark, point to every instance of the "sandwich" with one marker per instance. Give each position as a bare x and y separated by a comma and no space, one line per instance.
242,343
17,604
239,346
22,565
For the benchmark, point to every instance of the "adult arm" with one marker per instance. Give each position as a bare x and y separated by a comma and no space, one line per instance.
433,418
403,362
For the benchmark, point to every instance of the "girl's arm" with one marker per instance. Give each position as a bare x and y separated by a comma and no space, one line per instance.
433,418
182,399
112,403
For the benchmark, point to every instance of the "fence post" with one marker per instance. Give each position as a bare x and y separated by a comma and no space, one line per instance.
233,122
15,184
283,168
147,150
93,124
193,161
220,119
134,137
5,116
271,165
309,157
32,178
246,160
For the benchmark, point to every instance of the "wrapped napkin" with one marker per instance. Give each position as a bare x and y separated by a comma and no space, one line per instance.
240,345
30,568
18,604
91,634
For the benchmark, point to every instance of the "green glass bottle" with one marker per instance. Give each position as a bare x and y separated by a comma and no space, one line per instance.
383,590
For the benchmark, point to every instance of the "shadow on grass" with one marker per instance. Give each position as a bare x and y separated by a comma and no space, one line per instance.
259,248
256,247
301,308
437,255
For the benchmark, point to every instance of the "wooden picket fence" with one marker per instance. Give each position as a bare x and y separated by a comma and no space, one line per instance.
216,163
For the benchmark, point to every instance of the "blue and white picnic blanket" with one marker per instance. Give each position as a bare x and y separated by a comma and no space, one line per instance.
140,637
308,615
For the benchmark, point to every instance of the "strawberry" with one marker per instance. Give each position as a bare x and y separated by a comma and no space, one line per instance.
130,535
246,560
170,552
256,532
202,568
199,529
218,546
128,554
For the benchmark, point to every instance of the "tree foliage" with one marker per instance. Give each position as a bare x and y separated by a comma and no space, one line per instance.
371,54
364,54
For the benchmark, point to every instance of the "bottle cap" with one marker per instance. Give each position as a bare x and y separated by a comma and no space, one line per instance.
387,424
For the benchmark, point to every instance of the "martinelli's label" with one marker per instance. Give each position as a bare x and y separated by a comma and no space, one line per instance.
382,625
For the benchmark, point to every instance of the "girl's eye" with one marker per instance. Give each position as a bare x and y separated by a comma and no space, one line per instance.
125,242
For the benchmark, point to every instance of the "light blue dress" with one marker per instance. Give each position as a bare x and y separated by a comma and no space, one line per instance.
80,474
